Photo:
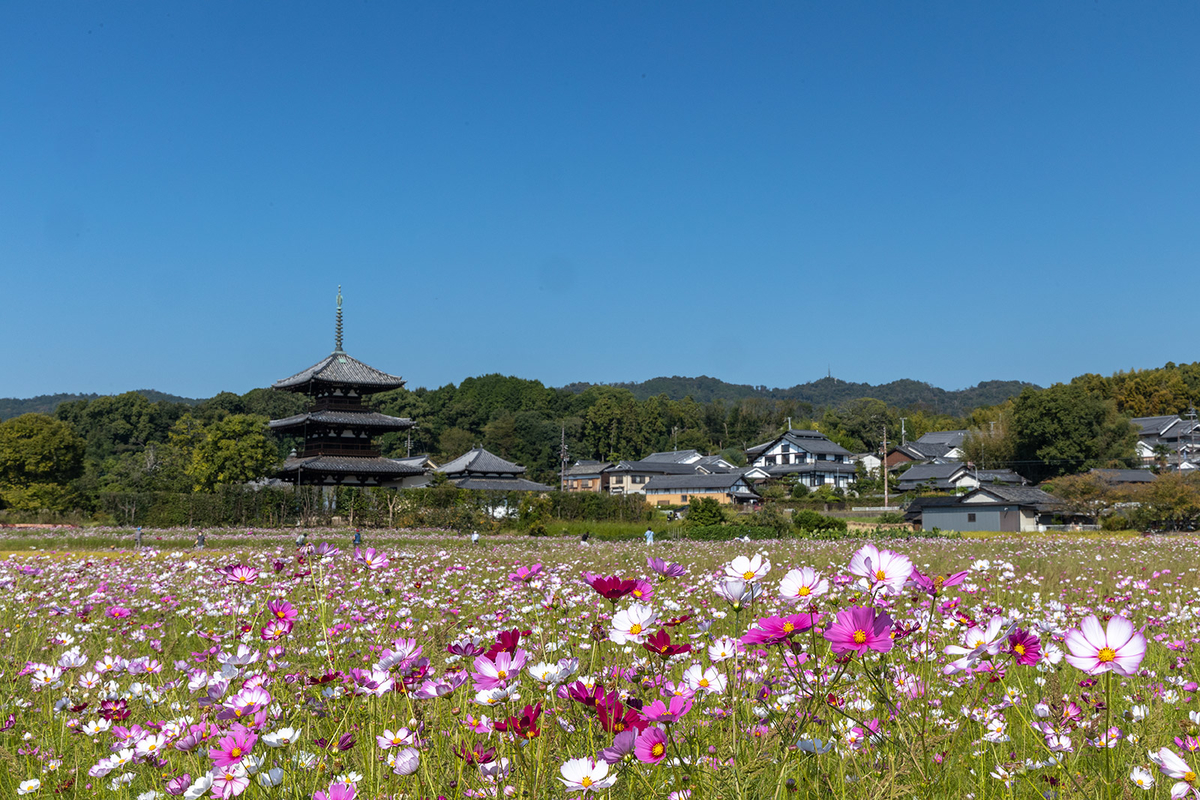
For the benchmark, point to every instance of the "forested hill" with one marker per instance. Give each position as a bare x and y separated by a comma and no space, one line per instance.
829,392
46,403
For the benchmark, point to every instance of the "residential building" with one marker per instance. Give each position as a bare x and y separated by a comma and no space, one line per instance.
727,488
586,476
1168,440
631,477
989,508
812,456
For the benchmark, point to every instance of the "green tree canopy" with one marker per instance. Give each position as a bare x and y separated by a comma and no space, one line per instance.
39,457
1066,429
235,449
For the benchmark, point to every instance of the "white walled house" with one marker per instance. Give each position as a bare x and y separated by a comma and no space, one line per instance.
811,456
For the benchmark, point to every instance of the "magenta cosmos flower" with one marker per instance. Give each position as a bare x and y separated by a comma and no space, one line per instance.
651,746
661,712
859,629
1119,648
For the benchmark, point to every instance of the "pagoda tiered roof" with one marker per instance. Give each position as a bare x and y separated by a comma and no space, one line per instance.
343,419
478,463
340,369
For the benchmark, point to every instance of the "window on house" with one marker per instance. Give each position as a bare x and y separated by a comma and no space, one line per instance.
639,478
770,461
587,484
683,498
787,448
970,517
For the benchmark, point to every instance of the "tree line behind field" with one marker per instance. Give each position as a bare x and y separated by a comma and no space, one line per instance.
129,443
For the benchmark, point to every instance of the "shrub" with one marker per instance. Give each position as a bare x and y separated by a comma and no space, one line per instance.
704,511
811,521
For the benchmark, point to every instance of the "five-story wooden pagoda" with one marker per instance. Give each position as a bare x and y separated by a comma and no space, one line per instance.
337,430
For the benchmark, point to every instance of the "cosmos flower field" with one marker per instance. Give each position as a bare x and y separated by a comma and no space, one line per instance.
425,666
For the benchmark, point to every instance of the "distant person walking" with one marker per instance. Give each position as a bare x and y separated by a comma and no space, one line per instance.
357,537
302,539
200,540
474,537
649,534
139,537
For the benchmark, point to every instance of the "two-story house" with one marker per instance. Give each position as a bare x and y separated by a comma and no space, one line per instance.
812,456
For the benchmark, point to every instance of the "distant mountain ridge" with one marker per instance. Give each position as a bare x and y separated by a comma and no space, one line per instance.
828,392
823,393
46,403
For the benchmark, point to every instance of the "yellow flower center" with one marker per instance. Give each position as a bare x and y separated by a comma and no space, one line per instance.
235,752
804,591
280,614
938,581
585,782
657,750
1189,777
1019,649
501,674
880,575
703,683
860,637
748,575
635,629
788,627
1106,655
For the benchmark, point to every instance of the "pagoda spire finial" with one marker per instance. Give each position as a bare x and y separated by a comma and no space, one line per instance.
338,329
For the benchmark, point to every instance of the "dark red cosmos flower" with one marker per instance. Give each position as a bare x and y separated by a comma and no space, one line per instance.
525,725
673,621
114,710
475,755
612,588
660,644
506,642
618,718
328,677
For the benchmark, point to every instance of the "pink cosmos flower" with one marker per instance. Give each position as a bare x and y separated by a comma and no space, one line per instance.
651,746
932,585
229,781
275,630
1175,767
240,573
525,574
776,630
1119,648
117,612
859,629
233,748
282,610
491,674
371,558
664,569
661,712
881,569
337,791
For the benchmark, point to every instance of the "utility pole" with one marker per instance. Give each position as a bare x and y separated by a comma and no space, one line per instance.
883,468
562,453
903,441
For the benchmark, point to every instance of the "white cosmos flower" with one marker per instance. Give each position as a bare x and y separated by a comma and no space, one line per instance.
1141,778
272,777
633,624
748,569
802,586
586,775
281,738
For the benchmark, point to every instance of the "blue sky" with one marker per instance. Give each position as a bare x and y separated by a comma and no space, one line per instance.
612,191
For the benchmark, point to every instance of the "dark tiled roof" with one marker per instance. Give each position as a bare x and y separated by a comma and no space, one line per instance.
819,467
501,485
1153,426
652,468
987,476
1125,475
349,465
340,369
480,462
422,461
725,480
359,419
809,441
675,456
919,473
1023,495
950,438
586,468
